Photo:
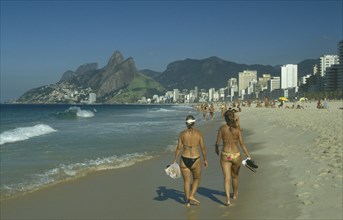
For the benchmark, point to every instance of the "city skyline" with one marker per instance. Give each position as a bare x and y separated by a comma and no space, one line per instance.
40,40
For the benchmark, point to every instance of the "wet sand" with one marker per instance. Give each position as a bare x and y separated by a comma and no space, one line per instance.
299,153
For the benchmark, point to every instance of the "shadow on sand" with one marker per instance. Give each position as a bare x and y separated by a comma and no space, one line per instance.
211,194
163,194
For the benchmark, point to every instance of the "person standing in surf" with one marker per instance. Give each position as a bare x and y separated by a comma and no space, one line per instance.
189,142
230,135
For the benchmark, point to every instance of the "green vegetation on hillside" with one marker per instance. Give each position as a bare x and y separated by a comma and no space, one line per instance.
140,86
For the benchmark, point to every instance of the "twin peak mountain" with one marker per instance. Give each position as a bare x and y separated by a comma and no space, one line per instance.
120,81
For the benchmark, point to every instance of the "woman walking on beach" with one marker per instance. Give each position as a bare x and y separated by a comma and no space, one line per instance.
189,141
230,158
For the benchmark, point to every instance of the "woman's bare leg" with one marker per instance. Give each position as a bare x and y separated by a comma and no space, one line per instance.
196,172
234,175
186,173
226,167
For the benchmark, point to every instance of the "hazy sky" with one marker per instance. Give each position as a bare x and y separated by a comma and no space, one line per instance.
40,40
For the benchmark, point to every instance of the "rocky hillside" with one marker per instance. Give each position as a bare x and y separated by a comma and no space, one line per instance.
118,79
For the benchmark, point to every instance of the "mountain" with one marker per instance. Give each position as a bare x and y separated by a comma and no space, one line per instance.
118,79
214,72
150,73
207,73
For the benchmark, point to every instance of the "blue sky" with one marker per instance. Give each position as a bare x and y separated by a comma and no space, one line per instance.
40,40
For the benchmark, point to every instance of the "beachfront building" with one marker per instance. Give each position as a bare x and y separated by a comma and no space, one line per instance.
331,78
196,93
289,76
176,95
327,61
216,96
232,88
244,79
211,92
92,98
274,83
222,94
251,87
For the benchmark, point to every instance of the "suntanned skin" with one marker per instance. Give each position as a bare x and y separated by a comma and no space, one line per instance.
230,138
189,141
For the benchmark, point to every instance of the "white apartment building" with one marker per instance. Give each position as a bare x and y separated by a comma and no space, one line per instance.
327,61
176,95
244,78
289,76
232,87
92,98
211,92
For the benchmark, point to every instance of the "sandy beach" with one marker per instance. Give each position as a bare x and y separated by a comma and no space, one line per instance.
299,153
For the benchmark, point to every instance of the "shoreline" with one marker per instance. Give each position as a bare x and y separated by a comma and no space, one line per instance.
292,180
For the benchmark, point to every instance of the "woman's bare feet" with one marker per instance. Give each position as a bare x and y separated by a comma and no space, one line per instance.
194,200
235,195
228,203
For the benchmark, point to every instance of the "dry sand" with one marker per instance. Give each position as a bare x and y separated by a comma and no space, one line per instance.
299,153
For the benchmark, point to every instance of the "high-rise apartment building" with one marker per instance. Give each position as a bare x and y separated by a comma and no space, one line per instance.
327,61
289,76
196,92
244,78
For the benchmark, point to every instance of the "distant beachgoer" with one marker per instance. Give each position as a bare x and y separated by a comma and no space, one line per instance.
266,101
223,109
190,163
319,104
212,110
230,157
204,110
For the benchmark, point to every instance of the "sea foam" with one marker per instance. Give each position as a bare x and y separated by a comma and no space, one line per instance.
24,133
67,172
74,113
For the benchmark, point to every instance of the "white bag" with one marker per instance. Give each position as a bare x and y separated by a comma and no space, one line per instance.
173,171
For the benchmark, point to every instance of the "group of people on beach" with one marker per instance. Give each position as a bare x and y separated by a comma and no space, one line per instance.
229,136
205,108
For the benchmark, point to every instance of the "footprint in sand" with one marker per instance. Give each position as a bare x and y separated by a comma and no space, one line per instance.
307,202
301,183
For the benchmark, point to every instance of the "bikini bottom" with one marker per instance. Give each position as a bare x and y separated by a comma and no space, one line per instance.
189,161
231,156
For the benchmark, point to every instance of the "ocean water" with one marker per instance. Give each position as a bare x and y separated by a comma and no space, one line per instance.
42,145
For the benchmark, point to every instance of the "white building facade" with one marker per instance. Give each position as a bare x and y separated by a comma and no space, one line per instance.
244,78
327,61
289,76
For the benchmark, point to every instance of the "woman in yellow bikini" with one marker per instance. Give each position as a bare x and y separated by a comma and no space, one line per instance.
189,141
230,156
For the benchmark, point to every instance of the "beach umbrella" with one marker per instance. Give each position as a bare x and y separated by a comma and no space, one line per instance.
303,99
283,99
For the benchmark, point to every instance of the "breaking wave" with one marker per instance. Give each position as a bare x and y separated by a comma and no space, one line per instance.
25,133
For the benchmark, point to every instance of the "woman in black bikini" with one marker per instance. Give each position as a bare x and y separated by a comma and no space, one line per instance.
189,141
230,157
